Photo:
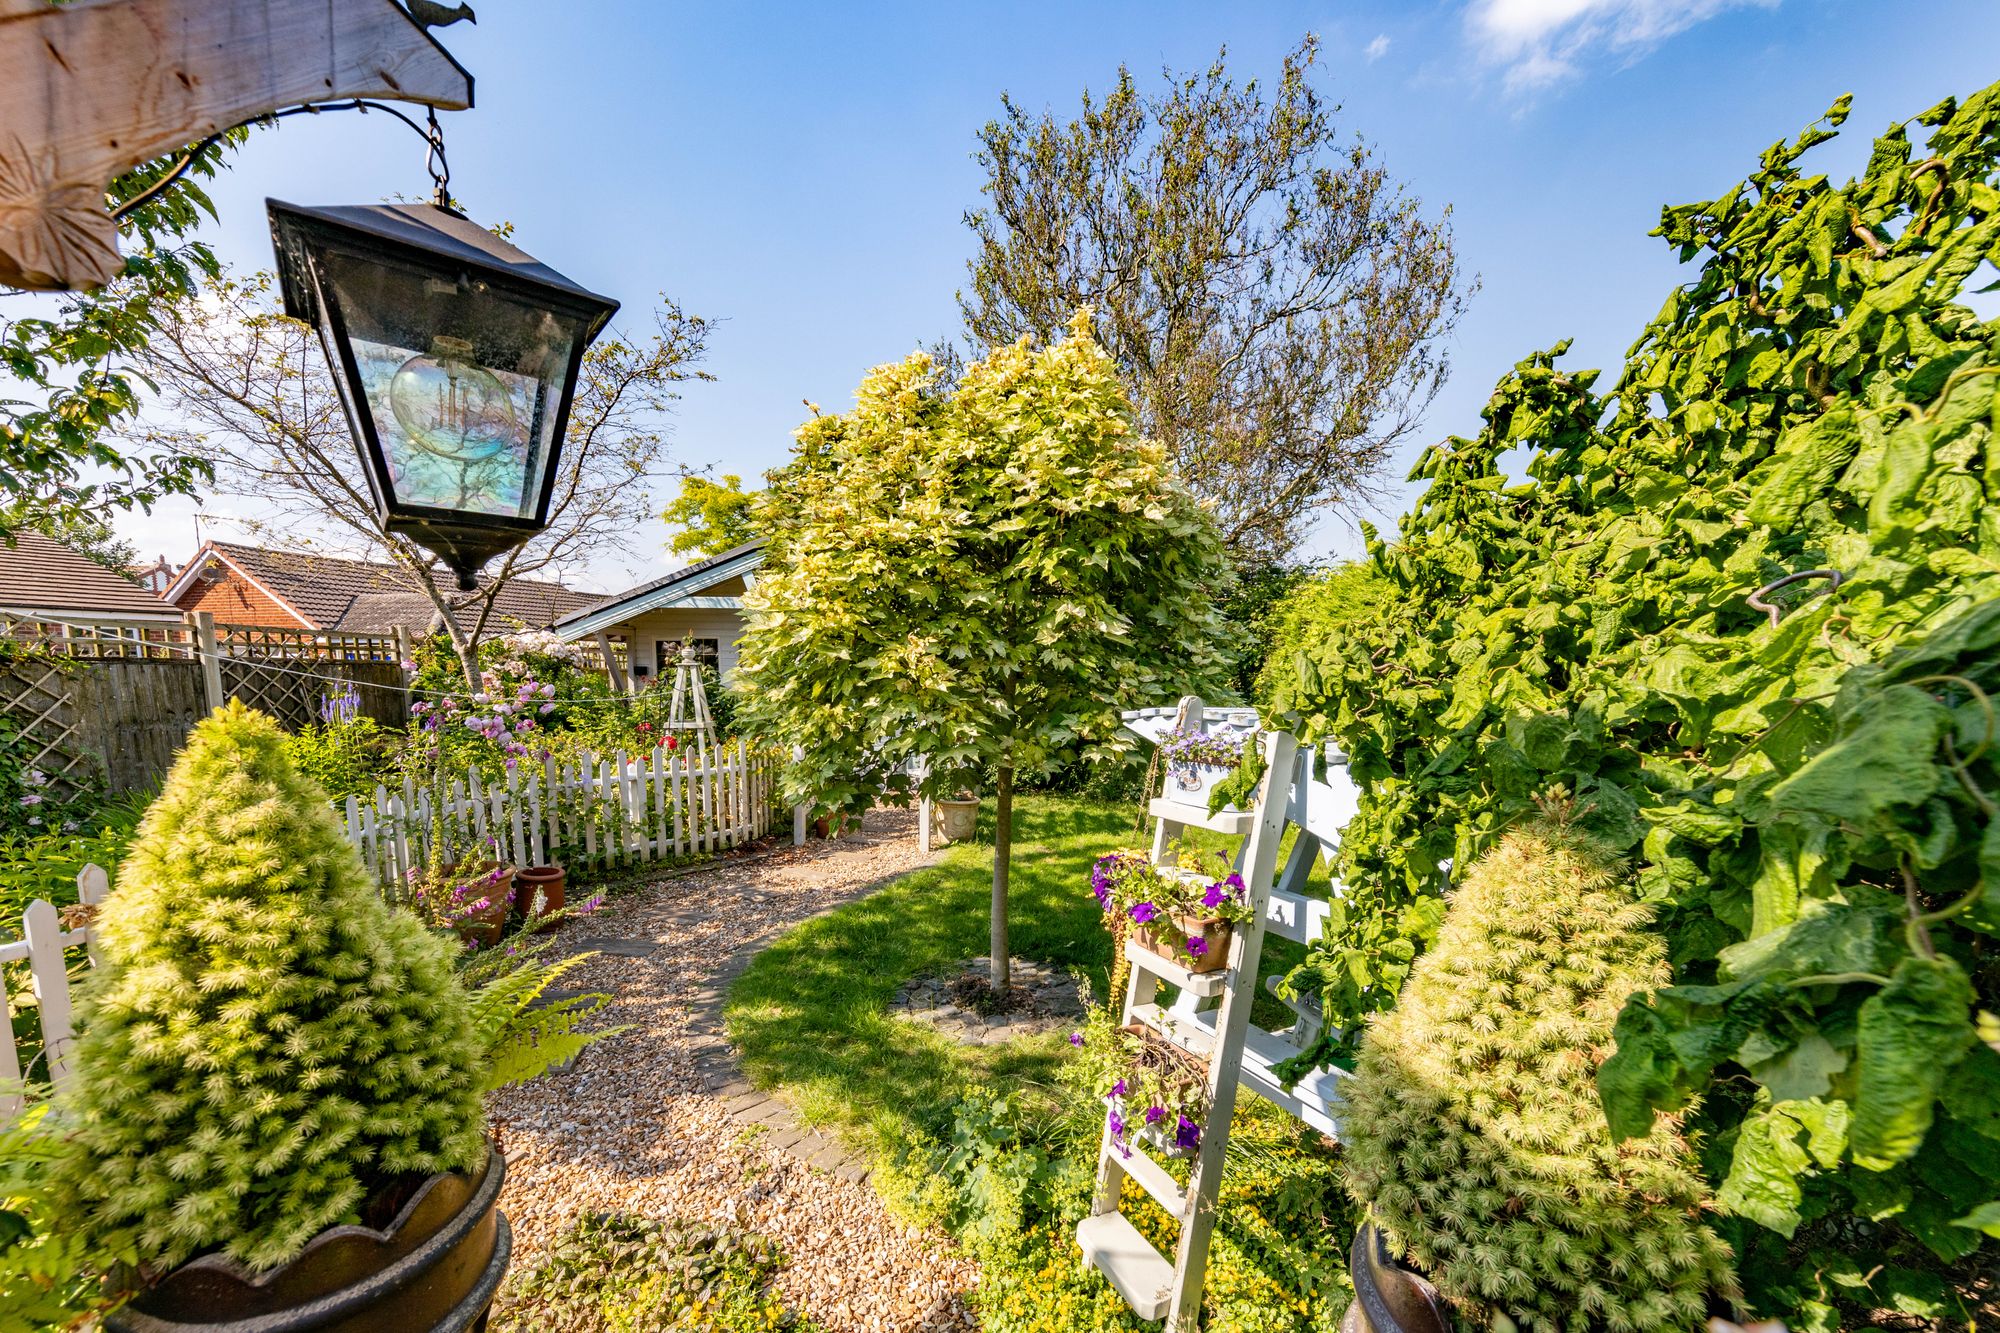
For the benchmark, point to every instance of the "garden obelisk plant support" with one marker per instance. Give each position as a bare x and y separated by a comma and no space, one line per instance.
266,1043
1472,1127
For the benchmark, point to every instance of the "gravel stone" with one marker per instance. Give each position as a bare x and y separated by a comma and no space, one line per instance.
659,1120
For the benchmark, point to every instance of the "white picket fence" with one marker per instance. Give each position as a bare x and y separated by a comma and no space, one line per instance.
604,812
43,947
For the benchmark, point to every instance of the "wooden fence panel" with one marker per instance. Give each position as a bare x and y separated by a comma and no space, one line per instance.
602,812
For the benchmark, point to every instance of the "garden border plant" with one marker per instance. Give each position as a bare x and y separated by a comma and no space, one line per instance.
1808,779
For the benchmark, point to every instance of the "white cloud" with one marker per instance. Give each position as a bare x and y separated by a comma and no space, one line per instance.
1542,41
1377,48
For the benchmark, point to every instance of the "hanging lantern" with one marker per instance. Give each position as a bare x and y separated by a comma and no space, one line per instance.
456,356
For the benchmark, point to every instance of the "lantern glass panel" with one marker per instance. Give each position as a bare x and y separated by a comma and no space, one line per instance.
462,383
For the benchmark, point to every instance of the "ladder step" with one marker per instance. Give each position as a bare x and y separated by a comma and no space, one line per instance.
1314,1099
1295,916
1152,1177
1114,1247
1194,983
1234,823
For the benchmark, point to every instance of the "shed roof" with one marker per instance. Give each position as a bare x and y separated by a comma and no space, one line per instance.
683,585
40,574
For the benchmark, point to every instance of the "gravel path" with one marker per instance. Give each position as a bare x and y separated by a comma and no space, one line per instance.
655,1121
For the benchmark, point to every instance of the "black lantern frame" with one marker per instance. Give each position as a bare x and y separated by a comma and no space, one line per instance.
454,284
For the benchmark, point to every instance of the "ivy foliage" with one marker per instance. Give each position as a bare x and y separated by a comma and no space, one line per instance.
1808,792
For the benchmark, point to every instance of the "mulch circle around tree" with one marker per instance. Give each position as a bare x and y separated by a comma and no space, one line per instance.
964,1006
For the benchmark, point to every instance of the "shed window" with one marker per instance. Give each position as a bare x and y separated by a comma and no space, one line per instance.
708,652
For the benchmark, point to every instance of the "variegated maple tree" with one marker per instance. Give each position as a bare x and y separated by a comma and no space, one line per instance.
980,574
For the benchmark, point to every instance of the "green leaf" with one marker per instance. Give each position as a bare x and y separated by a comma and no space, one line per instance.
1885,760
1802,1072
1911,1033
1769,1161
1986,1218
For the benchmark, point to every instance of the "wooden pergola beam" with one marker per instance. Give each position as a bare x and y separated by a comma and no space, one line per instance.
93,88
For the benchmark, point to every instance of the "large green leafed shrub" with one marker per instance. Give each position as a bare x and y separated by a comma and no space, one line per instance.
266,1042
1808,783
1473,1128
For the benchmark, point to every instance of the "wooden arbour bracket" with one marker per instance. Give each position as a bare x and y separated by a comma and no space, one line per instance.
93,88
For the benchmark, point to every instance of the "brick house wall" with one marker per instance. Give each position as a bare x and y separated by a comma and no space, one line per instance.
234,600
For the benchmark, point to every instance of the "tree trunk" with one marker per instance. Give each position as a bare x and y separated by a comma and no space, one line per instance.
1003,845
468,659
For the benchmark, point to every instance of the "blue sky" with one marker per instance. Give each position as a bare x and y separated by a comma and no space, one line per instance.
799,172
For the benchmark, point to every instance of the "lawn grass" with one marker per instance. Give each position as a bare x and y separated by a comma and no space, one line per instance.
809,1014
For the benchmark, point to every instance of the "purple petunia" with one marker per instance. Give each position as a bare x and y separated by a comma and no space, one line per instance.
1212,898
1187,1134
1076,1039
1144,912
1116,1123
1118,1088
1155,1114
1197,946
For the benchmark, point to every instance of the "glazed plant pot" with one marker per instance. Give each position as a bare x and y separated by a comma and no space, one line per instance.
548,881
433,1269
1389,1298
484,927
1168,938
958,818
1191,785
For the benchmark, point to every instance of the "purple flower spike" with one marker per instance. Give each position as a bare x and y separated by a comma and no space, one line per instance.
1076,1039
1144,912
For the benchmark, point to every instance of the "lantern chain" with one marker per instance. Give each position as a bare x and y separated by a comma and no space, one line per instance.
434,158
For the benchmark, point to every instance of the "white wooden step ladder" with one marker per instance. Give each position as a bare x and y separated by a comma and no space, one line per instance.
1210,1018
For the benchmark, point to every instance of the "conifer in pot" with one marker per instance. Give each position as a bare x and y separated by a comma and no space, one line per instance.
266,1047
1472,1125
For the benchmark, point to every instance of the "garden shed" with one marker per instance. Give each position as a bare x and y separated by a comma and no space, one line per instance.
701,604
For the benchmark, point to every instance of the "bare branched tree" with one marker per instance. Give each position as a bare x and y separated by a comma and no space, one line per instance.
249,391
1277,304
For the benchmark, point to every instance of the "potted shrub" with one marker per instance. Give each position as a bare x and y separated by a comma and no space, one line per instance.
1187,913
275,1110
1473,1131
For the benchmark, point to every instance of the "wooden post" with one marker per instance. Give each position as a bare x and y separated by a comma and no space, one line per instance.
406,650
92,887
799,812
208,651
612,671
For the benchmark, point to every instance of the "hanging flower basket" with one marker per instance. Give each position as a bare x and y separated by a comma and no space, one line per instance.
1187,914
1161,1102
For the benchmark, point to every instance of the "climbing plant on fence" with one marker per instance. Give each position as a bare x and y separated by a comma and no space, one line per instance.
1808,793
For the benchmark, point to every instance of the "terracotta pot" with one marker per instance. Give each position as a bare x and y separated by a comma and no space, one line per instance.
958,820
484,927
548,881
1166,941
435,1268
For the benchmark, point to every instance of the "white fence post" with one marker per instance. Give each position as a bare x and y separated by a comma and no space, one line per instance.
799,812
